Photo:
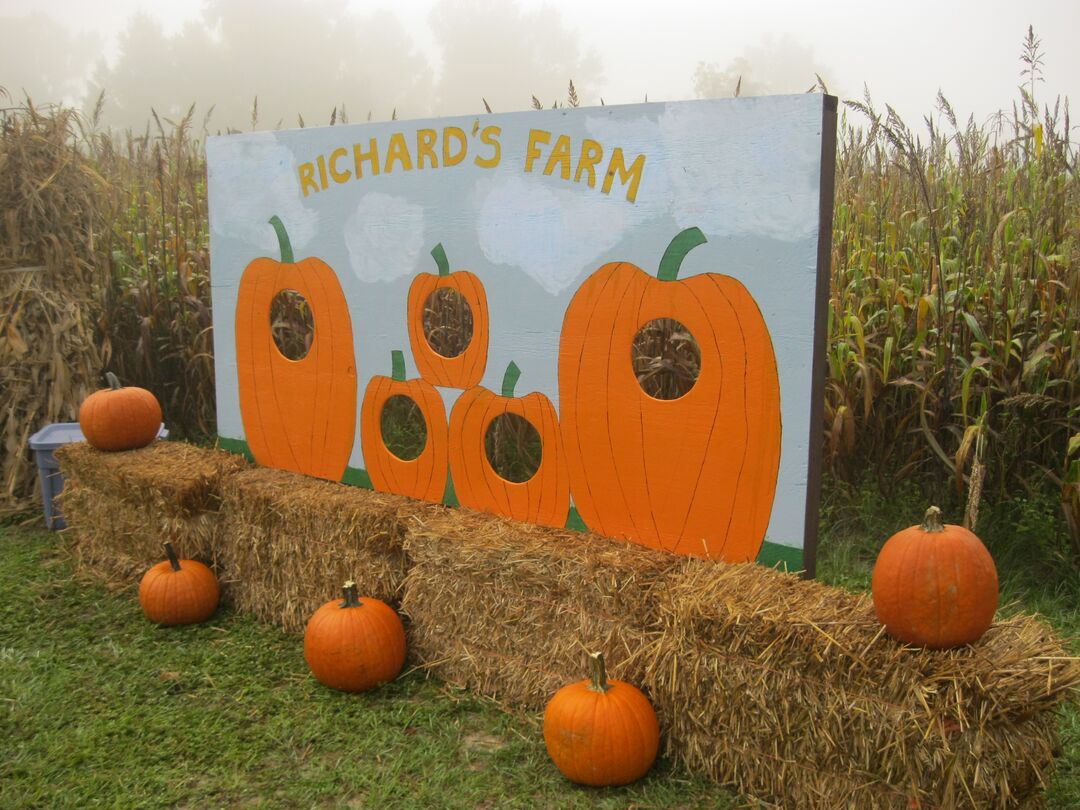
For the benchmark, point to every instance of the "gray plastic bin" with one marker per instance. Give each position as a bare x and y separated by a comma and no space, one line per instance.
43,443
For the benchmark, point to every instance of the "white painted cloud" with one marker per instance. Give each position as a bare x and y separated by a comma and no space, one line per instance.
552,235
254,179
748,169
384,236
761,174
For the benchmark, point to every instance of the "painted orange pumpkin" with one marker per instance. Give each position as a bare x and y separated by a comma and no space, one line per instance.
423,477
298,415
694,475
545,497
354,644
178,591
600,732
935,585
466,369
118,418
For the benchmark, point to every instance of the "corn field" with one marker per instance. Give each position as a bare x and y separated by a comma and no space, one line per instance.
952,336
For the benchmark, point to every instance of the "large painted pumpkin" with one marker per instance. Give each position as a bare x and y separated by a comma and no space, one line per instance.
354,644
298,415
176,591
935,585
118,418
545,497
466,369
423,477
694,475
600,732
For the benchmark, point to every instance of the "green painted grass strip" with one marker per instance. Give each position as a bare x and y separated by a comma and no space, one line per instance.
237,446
785,558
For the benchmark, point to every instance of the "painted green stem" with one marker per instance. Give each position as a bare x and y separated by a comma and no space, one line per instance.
349,594
599,673
283,239
510,379
683,243
114,382
397,362
439,255
170,552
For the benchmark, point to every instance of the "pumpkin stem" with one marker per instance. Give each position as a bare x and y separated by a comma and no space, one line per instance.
170,552
599,673
349,594
683,243
283,239
510,379
932,522
113,380
439,255
397,362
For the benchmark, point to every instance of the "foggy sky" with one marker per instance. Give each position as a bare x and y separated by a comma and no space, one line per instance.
430,57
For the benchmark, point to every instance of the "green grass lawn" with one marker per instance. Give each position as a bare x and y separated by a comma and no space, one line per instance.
99,707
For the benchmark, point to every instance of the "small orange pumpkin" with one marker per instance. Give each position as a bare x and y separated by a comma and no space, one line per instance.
423,477
694,475
354,644
599,732
118,418
178,591
298,415
542,499
935,585
466,369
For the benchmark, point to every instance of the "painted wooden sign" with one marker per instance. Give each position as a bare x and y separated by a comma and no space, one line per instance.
606,317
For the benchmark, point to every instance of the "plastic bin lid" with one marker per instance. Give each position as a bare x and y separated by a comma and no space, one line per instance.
60,433
56,435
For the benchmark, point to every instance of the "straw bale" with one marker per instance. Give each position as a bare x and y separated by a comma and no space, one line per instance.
120,507
791,691
288,542
510,609
176,478
116,540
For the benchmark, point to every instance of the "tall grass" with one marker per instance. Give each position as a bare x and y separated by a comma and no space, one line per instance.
955,301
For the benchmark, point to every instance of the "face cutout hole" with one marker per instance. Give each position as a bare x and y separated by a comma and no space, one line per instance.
513,447
404,430
448,322
666,358
291,324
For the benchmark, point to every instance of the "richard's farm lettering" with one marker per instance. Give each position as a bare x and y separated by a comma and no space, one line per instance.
546,152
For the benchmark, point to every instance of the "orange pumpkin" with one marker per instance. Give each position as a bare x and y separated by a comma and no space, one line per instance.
694,475
467,368
178,591
935,585
354,644
117,418
545,497
600,732
423,477
298,415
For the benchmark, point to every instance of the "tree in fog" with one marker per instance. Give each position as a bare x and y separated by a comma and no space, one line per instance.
43,58
505,54
297,59
773,66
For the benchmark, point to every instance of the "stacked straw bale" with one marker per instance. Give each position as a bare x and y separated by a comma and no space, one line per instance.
289,542
121,507
510,610
786,689
791,691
